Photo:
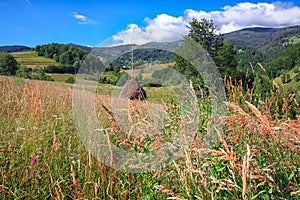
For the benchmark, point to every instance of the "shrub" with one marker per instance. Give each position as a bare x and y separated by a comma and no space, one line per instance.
297,77
8,64
70,80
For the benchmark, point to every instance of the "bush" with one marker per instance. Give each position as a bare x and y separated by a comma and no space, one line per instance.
8,64
297,77
23,72
110,77
152,85
60,69
39,74
70,80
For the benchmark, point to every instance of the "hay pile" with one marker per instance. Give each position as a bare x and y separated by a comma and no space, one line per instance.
132,90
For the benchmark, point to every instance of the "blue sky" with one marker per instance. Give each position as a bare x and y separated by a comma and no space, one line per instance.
90,22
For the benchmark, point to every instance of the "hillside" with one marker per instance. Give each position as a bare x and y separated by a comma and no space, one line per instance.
32,60
14,48
261,37
285,68
154,51
261,44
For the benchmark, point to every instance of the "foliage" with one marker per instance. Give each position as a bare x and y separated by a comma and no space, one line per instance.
114,78
206,34
66,55
166,77
70,80
267,42
142,56
23,72
123,77
8,64
284,62
297,77
39,74
62,69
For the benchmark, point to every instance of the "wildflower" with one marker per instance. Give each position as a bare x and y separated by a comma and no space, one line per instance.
33,160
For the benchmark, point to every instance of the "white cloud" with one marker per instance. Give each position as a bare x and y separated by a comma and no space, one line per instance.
82,19
137,35
230,18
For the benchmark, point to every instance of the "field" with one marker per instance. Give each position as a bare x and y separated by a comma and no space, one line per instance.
256,156
148,71
32,60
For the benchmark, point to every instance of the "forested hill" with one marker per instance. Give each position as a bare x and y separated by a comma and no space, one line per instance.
261,37
264,42
14,48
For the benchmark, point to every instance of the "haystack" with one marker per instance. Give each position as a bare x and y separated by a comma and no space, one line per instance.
132,90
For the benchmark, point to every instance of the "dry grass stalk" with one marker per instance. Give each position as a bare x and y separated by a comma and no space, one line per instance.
169,192
75,182
245,172
262,118
237,108
253,71
110,149
295,193
261,66
111,117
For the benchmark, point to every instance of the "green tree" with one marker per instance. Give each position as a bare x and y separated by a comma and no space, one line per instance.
8,64
206,34
23,72
70,80
39,74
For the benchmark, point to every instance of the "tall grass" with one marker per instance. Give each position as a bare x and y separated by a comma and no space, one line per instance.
41,157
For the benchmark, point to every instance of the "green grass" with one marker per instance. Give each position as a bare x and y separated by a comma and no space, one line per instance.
291,86
64,77
42,157
32,60
295,39
148,71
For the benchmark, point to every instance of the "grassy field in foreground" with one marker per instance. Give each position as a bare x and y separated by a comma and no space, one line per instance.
32,60
42,156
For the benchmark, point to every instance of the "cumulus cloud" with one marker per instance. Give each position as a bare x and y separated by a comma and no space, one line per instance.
230,18
137,35
82,19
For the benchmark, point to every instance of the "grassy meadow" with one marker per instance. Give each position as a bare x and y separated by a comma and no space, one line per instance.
32,60
41,156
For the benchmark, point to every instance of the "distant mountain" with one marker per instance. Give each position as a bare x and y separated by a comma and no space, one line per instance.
14,48
258,45
269,41
154,51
